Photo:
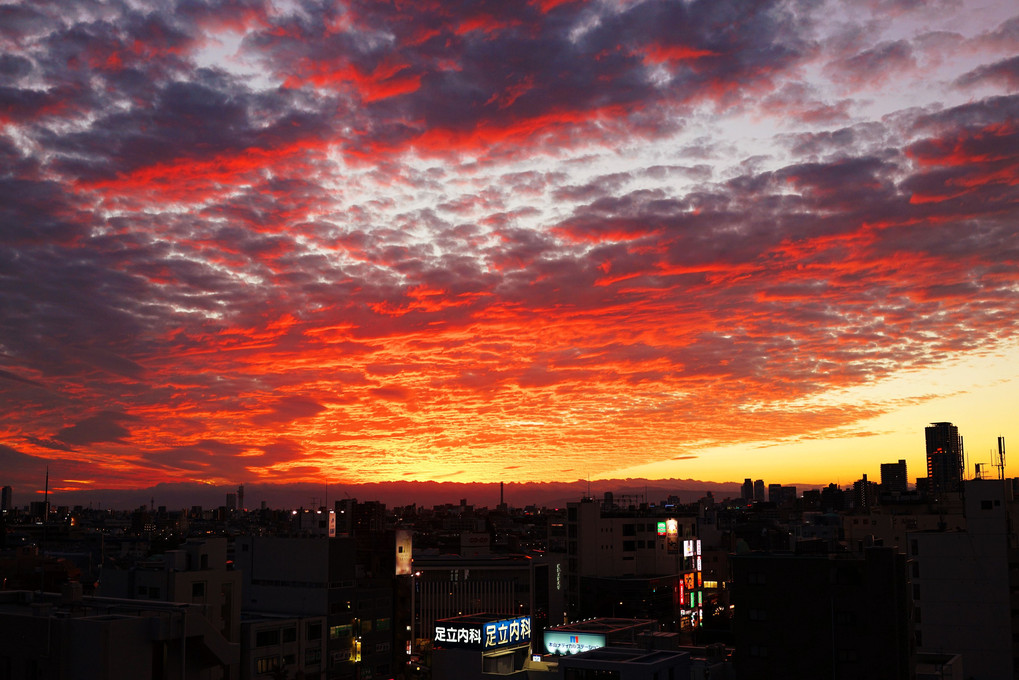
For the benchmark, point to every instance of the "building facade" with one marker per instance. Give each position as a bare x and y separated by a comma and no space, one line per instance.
945,459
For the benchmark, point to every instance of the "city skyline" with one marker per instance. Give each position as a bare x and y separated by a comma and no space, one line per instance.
252,242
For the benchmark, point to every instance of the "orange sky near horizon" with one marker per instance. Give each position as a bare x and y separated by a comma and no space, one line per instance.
504,241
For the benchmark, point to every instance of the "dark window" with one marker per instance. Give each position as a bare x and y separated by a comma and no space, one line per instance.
289,635
198,589
314,631
266,638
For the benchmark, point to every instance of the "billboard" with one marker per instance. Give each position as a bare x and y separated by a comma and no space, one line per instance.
672,536
485,636
557,642
404,544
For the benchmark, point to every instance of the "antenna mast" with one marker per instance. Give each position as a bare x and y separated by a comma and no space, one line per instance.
1001,458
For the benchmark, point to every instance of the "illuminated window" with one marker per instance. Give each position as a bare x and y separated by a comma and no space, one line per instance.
337,632
267,664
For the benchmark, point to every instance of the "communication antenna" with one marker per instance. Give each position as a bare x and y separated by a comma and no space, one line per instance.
1001,458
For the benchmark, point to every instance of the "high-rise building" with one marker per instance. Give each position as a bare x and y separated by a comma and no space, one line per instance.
864,494
747,489
759,490
7,499
893,477
781,495
944,458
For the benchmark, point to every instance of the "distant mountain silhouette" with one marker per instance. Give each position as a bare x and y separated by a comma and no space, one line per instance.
426,494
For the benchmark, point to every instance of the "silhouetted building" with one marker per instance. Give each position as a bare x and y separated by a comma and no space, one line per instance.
864,494
964,584
477,646
747,490
283,646
832,498
832,616
351,584
52,637
627,663
198,573
640,562
759,490
353,517
893,477
781,495
7,499
944,458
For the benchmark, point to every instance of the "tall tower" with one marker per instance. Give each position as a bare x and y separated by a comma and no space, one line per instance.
944,458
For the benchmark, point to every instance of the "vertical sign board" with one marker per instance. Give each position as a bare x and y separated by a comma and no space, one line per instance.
404,543
672,536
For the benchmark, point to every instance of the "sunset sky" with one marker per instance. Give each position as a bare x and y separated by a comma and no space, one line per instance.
248,241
